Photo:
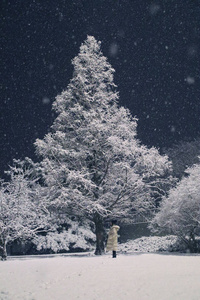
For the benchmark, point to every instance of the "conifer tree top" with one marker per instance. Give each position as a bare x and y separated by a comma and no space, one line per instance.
92,80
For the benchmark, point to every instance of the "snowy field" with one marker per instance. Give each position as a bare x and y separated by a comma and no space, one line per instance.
128,277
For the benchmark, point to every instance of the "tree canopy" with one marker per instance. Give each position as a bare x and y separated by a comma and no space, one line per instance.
180,212
22,213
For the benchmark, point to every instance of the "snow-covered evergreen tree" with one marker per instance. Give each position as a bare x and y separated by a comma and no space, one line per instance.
179,213
93,165
22,213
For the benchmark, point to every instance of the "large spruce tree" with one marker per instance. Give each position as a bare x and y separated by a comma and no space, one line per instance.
93,165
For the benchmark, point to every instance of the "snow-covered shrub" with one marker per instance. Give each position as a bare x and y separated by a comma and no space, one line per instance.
150,244
76,237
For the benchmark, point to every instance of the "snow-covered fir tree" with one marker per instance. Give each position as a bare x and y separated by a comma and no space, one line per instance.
22,213
93,164
179,213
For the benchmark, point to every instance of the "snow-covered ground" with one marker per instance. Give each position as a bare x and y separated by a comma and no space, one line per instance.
86,277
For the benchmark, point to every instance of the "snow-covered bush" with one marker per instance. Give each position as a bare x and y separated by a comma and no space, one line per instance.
150,244
179,213
76,237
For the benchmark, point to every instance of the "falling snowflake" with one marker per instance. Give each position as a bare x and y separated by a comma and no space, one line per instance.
113,49
154,9
45,100
173,128
190,80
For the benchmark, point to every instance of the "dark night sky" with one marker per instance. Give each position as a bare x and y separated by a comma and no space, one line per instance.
154,46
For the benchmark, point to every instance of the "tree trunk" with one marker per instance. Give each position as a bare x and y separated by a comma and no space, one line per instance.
193,245
100,235
4,251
